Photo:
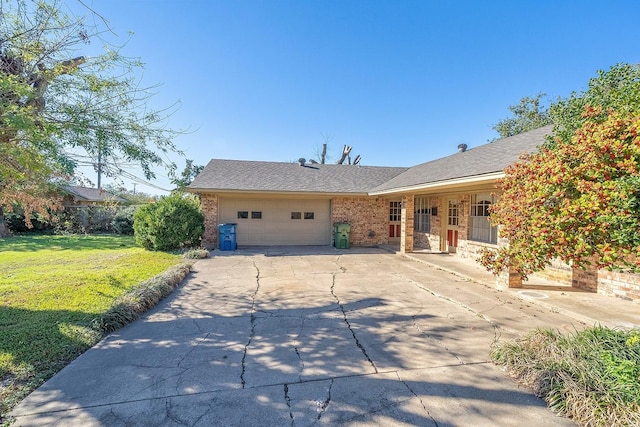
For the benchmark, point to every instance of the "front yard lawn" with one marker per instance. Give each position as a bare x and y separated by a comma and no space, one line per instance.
51,289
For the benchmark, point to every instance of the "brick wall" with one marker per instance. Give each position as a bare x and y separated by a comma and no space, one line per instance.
368,216
209,204
619,284
406,224
585,278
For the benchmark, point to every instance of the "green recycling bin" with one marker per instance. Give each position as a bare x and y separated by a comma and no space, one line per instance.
342,235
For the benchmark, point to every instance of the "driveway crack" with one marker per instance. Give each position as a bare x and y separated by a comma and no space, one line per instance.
297,350
287,399
346,320
480,314
419,398
431,338
253,325
322,405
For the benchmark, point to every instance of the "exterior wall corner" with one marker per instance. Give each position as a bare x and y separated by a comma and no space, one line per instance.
209,203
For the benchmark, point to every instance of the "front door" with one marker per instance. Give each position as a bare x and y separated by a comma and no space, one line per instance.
453,220
395,216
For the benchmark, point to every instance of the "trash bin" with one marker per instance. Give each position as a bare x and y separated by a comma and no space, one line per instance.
227,236
342,234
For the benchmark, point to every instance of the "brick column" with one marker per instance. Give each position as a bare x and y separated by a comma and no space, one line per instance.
406,225
585,278
209,203
508,278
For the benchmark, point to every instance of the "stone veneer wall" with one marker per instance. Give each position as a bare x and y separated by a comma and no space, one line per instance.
558,271
430,241
471,249
209,203
368,216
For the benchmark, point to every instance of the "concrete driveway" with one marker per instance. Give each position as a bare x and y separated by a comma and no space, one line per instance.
302,336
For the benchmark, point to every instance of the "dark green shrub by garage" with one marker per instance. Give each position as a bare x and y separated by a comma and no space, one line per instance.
173,222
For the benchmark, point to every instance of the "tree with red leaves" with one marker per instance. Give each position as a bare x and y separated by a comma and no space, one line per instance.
576,200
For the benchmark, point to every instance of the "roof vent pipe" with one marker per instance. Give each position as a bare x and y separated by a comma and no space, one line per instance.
462,148
302,161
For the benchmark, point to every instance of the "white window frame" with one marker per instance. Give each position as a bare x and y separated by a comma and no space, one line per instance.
480,229
422,214
395,211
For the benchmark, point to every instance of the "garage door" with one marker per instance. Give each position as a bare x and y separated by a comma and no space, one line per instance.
272,222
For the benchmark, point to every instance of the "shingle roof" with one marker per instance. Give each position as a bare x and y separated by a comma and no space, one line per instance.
485,159
92,194
240,175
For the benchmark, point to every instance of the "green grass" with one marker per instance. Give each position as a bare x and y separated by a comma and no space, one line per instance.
53,292
591,376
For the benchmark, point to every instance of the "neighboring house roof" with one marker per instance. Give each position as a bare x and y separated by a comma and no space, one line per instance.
485,160
92,194
254,176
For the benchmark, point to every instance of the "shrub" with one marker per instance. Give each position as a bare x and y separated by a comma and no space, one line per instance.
130,305
84,219
592,376
123,221
16,222
196,254
173,222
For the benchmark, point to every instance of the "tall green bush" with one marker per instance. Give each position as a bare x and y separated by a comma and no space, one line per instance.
173,222
123,220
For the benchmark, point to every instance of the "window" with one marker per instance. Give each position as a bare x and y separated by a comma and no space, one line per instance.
243,214
454,212
309,215
422,211
480,227
395,211
256,215
296,215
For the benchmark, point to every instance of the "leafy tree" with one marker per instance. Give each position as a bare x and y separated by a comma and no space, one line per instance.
527,115
616,89
187,176
59,110
175,221
577,201
135,198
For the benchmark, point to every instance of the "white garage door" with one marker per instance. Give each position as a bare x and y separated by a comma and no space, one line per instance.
272,222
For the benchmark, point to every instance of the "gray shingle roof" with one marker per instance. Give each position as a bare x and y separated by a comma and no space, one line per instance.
240,175
92,194
485,159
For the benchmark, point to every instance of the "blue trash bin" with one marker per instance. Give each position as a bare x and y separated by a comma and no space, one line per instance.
227,236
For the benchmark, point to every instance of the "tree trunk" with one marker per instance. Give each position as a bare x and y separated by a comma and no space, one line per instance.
324,153
4,228
346,150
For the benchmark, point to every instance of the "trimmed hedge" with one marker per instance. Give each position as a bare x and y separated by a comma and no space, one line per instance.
174,222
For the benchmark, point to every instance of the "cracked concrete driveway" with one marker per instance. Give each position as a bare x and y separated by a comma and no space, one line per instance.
295,336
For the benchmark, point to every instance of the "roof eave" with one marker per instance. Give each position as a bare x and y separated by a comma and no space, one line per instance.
276,193
439,185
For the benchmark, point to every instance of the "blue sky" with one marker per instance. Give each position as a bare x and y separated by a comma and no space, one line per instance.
403,82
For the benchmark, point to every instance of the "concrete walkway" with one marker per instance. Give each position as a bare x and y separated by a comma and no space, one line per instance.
301,336
586,307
